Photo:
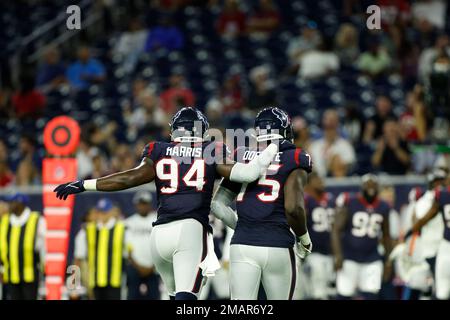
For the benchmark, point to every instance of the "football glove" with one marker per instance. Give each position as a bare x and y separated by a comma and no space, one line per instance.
303,250
66,189
304,246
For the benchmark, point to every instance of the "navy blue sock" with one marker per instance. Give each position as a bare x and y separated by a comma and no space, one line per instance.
411,294
339,297
185,296
369,296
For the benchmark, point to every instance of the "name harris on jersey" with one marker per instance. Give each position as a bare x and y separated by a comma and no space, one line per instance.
184,151
210,152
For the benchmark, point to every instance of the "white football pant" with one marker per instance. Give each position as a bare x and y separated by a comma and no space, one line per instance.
177,249
320,274
220,283
443,271
275,268
354,277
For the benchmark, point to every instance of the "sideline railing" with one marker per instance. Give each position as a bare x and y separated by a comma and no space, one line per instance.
329,182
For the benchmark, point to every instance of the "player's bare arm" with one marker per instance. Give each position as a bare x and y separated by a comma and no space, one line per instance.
294,203
341,217
387,244
387,240
144,173
294,206
419,223
139,175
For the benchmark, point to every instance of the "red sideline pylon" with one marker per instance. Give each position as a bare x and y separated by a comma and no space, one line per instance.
61,138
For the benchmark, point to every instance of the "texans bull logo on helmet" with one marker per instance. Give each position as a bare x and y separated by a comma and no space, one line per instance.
189,125
273,123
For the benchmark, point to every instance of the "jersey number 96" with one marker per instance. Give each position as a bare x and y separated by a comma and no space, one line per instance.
366,225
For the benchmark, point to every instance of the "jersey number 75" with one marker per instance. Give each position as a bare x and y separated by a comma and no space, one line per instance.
274,186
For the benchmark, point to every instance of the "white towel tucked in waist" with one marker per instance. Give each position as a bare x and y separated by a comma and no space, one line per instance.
210,264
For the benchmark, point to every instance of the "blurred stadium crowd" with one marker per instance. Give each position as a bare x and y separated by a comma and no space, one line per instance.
361,100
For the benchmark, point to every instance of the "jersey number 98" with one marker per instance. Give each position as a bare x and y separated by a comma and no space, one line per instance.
322,219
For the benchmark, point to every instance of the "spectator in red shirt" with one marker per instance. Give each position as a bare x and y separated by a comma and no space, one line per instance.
413,122
176,94
167,5
28,102
231,95
393,11
5,109
408,121
264,20
6,176
231,22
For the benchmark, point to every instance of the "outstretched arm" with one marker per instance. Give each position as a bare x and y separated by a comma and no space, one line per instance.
418,224
143,173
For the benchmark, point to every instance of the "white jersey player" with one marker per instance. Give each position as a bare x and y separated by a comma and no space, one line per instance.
441,203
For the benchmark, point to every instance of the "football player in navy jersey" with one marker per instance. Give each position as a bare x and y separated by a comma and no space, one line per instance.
361,219
442,270
318,266
262,247
184,171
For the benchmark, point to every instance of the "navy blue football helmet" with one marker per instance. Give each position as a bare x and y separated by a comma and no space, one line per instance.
189,125
273,123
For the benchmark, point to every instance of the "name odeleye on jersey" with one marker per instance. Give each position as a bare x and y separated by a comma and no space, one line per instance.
197,152
225,309
249,155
